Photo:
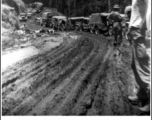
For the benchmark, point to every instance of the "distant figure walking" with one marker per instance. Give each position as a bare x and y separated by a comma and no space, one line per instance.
116,19
128,12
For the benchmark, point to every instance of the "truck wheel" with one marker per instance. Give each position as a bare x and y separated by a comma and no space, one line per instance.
91,31
96,31
110,32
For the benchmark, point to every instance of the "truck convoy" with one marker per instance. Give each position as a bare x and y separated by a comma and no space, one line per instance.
96,23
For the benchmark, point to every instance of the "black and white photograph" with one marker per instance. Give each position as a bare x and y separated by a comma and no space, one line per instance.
75,58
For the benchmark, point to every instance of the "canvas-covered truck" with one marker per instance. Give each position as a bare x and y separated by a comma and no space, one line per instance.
98,23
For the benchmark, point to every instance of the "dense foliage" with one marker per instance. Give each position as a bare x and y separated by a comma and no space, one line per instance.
18,5
81,7
78,7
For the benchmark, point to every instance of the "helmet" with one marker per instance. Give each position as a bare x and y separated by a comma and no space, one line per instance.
116,6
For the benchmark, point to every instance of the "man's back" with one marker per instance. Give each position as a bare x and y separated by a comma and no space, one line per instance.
115,16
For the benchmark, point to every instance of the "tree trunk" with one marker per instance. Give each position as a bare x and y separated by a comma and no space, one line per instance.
50,3
69,10
56,4
109,5
74,8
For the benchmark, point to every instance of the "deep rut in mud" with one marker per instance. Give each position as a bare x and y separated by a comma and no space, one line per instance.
75,78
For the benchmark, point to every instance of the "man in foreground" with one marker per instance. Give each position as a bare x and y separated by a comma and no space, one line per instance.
140,22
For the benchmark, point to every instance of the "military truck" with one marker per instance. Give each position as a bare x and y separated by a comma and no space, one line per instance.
76,23
98,23
59,22
29,15
85,24
23,17
46,19
38,20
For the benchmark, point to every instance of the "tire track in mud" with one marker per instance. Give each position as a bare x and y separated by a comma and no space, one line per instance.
80,89
75,78
40,59
111,95
86,101
67,86
32,59
37,66
46,57
52,85
82,71
56,76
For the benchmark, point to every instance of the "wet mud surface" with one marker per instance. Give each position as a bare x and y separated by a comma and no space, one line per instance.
86,76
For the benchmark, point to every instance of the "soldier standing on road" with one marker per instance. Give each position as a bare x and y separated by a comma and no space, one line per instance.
128,16
117,27
128,12
141,22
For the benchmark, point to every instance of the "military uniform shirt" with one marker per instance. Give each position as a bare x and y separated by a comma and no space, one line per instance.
115,16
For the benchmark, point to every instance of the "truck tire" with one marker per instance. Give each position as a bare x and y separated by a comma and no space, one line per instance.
97,31
91,31
110,31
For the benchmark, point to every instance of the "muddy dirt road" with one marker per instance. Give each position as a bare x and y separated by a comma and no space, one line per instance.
83,77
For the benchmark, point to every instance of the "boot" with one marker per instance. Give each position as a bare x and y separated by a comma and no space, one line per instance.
134,99
145,108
